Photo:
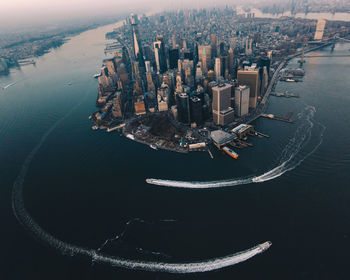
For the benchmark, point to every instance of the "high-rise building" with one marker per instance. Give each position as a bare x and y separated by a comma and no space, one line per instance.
196,110
248,46
159,54
117,109
250,77
173,58
163,97
204,56
223,114
183,108
321,23
137,41
231,61
218,72
213,44
242,100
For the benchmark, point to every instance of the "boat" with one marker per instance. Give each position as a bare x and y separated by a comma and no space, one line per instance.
97,75
153,146
230,152
290,80
130,136
95,127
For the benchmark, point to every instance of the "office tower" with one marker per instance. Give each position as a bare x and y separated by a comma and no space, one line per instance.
148,66
218,72
117,108
188,55
248,46
250,77
183,108
173,38
189,80
151,101
105,80
231,61
213,45
110,66
199,73
204,56
321,23
196,110
179,87
150,84
137,41
139,105
173,58
264,81
242,100
223,114
163,97
159,54
222,49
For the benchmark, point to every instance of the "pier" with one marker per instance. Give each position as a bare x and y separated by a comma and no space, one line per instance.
273,117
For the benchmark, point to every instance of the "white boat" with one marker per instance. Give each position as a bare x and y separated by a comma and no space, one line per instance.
95,127
97,75
290,80
130,136
153,146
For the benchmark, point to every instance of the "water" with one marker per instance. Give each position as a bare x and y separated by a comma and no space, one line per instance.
83,186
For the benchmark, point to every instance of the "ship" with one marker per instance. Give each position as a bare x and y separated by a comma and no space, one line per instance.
130,136
290,80
153,146
95,127
230,152
97,75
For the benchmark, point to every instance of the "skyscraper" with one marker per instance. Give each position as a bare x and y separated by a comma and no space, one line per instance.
183,108
250,77
218,73
159,54
137,41
213,45
222,112
242,100
173,58
204,56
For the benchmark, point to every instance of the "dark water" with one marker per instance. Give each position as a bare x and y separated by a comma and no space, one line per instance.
83,186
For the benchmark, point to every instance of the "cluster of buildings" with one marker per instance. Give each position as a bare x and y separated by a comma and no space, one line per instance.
203,67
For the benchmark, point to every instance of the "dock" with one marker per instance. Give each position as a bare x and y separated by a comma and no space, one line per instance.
282,119
285,94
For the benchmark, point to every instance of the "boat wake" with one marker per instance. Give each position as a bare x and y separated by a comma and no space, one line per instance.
9,85
288,161
96,256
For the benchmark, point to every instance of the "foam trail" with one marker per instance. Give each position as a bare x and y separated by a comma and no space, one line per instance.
287,162
95,256
9,85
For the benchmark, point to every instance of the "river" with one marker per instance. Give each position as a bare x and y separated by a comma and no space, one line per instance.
83,186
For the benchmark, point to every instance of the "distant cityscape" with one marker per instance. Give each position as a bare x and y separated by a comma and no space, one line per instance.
183,80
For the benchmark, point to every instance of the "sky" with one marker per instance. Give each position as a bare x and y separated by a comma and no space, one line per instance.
15,12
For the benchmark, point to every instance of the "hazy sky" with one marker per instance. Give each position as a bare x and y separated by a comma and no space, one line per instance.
14,12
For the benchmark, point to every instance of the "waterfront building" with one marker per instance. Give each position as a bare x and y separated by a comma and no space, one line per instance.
321,24
250,77
222,112
242,100
183,108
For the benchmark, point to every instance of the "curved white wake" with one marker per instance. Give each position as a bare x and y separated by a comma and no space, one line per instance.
65,248
287,162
